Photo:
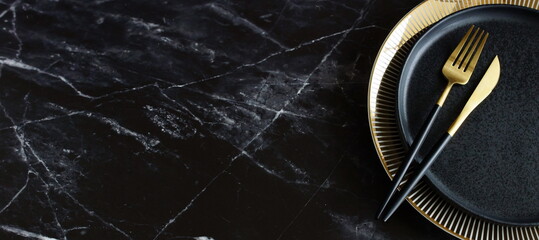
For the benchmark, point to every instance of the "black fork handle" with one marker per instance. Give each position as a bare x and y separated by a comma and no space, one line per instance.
410,156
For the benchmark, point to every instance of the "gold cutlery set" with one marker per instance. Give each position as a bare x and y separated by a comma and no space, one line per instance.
457,69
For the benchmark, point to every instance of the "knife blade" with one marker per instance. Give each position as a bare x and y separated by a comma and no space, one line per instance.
485,87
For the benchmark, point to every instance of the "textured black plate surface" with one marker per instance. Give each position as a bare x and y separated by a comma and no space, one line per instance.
491,167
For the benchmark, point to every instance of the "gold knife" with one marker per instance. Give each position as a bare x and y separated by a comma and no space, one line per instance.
487,83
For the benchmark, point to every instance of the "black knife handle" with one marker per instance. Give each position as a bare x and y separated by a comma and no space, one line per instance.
413,180
412,152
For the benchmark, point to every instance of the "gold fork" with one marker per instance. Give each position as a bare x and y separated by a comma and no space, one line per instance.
457,70
461,64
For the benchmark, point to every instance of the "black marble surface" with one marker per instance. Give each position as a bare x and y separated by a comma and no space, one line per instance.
204,120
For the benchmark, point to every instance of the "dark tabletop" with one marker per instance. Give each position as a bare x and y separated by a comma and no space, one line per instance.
204,120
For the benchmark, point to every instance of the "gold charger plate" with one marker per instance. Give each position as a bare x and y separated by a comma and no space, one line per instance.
385,131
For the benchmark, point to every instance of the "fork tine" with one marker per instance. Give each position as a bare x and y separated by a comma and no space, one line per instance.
458,49
471,52
466,50
473,62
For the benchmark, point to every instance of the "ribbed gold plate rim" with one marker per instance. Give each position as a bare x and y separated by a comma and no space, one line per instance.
385,132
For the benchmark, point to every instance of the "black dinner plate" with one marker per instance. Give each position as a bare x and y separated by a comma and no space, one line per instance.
491,166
